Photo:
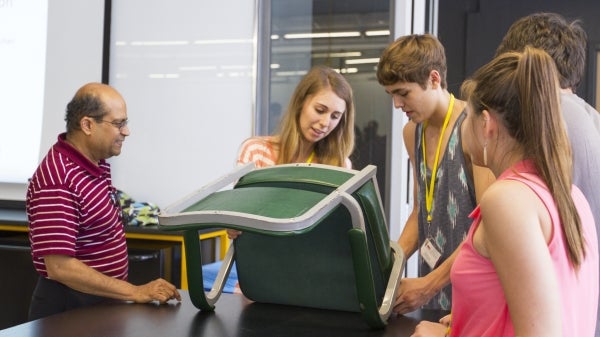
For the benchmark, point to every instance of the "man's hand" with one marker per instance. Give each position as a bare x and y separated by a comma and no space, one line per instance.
158,290
232,233
412,294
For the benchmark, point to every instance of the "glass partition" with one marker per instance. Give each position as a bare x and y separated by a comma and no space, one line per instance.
346,35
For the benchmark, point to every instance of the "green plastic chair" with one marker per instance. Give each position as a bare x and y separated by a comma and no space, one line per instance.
313,236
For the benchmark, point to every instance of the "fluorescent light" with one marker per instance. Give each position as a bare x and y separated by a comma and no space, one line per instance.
347,70
340,54
275,66
224,41
235,67
363,61
291,73
377,32
159,43
275,37
160,76
197,68
320,35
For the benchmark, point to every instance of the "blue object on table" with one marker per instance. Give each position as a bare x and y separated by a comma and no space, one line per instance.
210,271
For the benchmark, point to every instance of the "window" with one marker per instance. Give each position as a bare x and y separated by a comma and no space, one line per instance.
345,35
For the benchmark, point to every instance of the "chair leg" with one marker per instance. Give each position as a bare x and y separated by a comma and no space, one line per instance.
376,317
394,280
201,299
363,273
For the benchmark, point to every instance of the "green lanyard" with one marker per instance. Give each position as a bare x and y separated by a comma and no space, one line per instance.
430,189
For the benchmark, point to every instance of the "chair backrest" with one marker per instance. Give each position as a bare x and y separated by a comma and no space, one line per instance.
314,268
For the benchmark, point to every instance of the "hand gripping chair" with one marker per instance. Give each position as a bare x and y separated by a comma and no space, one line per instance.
313,236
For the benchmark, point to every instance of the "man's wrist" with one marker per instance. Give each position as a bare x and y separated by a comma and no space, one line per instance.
438,278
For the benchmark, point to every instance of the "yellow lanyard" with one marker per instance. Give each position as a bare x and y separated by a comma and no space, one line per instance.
430,189
310,158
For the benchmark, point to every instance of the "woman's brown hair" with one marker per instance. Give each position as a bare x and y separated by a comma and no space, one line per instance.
339,144
523,89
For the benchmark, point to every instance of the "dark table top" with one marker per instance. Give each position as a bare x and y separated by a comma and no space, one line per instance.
18,218
234,316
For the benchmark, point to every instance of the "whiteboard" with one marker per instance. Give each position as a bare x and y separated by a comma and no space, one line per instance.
23,26
73,57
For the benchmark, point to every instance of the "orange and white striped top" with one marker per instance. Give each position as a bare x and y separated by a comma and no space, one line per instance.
260,151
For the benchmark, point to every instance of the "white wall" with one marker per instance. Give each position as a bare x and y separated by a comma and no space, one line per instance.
186,71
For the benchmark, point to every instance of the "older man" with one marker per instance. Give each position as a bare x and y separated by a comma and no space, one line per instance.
77,238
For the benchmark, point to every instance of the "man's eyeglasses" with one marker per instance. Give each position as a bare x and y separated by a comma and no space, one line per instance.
119,125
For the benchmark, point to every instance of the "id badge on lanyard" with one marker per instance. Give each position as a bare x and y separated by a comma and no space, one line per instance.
430,253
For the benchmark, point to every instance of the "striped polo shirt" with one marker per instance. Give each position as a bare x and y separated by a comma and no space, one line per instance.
73,210
259,150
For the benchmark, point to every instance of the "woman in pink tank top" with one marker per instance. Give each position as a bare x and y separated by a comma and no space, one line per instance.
529,265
